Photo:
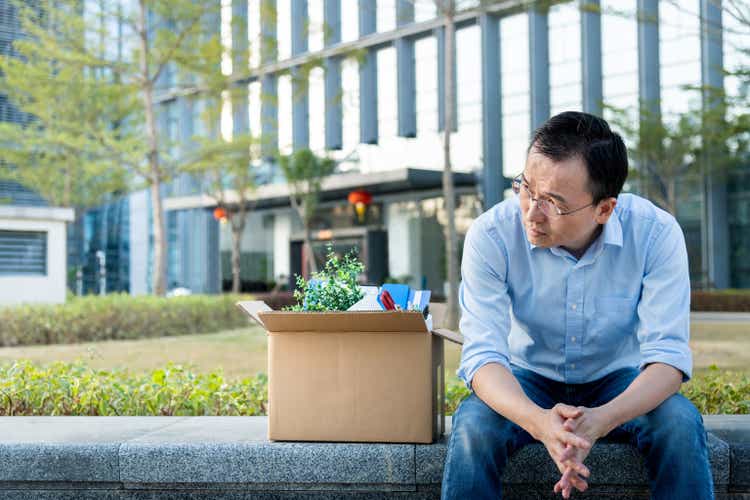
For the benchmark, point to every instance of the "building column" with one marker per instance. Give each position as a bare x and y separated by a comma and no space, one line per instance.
539,66
269,113
333,112
300,83
405,69
440,38
240,111
715,230
649,86
368,77
591,56
493,181
198,243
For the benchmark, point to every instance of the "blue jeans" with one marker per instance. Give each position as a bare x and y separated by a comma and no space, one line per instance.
670,437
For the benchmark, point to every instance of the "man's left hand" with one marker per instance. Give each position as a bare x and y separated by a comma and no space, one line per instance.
590,425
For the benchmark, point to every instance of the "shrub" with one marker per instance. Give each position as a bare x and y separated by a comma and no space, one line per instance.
75,389
717,391
730,300
713,392
118,316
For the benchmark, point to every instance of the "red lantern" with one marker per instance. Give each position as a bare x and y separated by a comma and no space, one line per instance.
220,214
360,199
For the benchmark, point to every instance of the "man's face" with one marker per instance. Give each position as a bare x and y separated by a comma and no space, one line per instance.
565,184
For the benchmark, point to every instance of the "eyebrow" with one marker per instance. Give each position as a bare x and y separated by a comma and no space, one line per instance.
551,195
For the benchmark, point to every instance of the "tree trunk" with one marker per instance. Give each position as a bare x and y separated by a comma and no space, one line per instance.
237,230
671,197
308,250
306,244
448,191
154,171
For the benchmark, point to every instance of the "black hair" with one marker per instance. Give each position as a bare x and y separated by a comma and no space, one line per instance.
574,134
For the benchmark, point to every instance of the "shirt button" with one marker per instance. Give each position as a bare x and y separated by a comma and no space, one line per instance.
573,306
573,366
572,339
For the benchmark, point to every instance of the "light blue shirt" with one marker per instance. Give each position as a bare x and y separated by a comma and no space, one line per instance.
625,303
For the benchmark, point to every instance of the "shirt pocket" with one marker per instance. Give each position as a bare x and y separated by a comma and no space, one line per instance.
614,313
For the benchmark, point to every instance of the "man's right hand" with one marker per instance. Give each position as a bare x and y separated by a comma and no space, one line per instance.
499,389
561,443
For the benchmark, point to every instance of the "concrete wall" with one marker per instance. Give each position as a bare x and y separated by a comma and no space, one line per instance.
45,289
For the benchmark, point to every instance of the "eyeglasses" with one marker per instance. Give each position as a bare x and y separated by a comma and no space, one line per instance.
547,207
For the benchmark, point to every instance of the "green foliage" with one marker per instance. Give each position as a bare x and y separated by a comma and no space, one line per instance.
334,288
118,316
719,391
75,389
671,155
455,392
64,152
714,392
304,172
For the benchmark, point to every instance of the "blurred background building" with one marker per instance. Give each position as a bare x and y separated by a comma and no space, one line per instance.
381,117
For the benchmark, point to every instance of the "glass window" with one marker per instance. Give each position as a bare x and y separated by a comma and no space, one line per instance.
619,55
285,100
256,253
23,253
565,58
680,57
516,124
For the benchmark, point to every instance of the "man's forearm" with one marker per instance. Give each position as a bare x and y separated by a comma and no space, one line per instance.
499,389
650,388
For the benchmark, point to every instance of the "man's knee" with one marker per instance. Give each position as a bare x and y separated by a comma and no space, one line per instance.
675,421
478,430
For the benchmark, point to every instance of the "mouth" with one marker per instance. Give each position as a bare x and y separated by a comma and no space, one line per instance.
535,232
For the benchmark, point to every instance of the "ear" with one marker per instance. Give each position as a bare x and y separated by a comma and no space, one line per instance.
604,209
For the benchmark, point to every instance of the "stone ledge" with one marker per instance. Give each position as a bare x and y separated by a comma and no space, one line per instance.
230,457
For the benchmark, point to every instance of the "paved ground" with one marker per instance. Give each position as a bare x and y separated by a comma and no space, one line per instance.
726,317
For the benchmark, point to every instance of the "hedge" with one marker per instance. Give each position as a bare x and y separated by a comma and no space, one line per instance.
730,300
118,316
74,388
61,388
713,392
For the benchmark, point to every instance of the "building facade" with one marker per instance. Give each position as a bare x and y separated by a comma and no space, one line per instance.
33,246
380,115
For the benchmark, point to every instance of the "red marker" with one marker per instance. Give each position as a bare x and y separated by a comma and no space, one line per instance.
387,301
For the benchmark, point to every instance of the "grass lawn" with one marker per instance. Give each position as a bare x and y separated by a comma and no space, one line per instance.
242,352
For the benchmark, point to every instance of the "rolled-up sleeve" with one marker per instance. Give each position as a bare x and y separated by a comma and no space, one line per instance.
484,301
664,307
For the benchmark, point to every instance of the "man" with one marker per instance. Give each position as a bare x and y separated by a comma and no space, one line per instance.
597,284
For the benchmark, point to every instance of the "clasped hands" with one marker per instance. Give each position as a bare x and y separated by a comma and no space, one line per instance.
569,433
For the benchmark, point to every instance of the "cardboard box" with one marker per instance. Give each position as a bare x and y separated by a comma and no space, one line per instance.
374,376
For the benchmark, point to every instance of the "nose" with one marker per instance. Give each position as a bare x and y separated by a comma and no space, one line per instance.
534,213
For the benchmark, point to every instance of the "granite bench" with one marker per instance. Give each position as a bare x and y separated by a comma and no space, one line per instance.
230,458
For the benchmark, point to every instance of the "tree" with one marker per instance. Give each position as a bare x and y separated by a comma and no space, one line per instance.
177,37
304,173
71,111
670,154
164,35
447,9
225,164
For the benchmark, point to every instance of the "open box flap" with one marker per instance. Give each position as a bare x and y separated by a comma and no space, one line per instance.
449,335
254,308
